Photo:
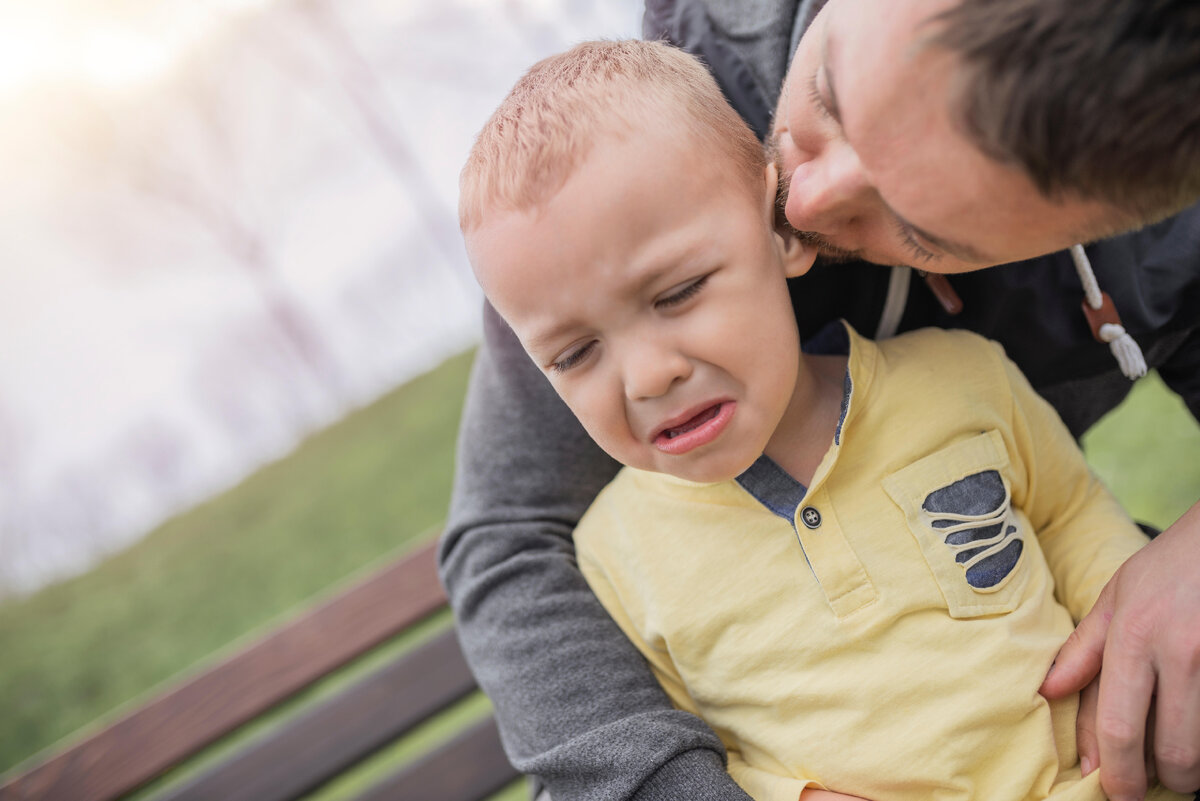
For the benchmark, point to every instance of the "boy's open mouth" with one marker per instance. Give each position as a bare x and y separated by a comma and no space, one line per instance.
699,429
694,423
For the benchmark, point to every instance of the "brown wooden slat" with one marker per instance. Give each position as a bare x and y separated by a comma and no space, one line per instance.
341,731
470,767
198,711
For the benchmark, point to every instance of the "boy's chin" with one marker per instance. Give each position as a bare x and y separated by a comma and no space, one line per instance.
704,471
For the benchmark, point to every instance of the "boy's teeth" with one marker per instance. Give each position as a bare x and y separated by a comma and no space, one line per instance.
697,421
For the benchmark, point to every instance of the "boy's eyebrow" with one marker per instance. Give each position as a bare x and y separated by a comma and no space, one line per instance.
663,264
551,338
636,284
543,340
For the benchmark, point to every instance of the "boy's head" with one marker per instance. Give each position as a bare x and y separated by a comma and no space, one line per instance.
620,217
566,103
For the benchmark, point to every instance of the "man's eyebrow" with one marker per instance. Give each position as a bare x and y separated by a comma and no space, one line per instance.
959,250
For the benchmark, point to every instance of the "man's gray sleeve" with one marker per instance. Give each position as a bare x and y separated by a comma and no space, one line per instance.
577,705
744,43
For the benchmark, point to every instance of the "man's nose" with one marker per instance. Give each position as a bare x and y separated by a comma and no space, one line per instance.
827,191
652,369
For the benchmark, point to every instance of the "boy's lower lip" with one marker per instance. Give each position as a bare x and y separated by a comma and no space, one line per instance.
713,421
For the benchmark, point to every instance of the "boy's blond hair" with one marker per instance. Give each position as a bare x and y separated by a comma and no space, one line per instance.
556,112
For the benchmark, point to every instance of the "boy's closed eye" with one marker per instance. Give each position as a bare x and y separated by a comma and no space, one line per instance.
675,296
681,292
572,357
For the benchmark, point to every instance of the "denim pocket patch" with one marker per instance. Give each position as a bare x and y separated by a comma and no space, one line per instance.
975,520
958,507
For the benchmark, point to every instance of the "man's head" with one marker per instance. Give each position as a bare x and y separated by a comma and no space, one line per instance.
633,251
955,134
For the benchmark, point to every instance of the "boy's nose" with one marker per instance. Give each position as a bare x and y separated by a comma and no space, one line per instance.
827,190
652,371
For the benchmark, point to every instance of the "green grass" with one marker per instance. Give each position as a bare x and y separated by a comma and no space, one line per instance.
358,493
1146,450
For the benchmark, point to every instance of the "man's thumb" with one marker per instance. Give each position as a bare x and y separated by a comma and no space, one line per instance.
1079,660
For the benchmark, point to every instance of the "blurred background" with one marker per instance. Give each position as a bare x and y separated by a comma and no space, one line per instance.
225,226
236,320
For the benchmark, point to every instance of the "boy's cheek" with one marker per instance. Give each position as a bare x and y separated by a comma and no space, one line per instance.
601,424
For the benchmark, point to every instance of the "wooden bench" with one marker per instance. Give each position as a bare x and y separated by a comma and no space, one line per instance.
318,744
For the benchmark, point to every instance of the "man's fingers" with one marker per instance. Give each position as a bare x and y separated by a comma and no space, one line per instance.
1177,727
1126,687
1078,661
1085,728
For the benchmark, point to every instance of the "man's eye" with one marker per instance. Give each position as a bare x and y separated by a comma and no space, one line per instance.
675,298
572,358
814,94
919,252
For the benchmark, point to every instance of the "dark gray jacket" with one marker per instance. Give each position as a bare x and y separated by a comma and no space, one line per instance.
578,707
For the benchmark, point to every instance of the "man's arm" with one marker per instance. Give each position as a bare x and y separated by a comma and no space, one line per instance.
577,705
1145,631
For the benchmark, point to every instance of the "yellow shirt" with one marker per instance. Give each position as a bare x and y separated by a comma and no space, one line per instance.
884,632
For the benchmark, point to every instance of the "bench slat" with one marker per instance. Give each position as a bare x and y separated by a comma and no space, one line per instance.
341,731
470,767
172,727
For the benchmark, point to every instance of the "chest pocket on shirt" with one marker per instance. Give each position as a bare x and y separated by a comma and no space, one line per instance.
958,506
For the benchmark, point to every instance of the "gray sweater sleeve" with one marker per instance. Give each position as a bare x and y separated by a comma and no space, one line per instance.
577,705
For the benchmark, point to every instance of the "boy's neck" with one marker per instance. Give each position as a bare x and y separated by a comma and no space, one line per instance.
806,431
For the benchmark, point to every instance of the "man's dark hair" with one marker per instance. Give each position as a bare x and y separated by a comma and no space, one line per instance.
1094,98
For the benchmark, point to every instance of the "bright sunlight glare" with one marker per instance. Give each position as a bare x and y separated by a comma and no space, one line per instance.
71,40
114,58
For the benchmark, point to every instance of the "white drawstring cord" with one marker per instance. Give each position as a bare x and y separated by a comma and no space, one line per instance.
1124,348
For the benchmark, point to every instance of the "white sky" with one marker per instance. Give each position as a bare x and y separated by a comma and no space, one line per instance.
107,43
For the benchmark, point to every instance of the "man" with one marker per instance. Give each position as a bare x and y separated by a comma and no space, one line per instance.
888,161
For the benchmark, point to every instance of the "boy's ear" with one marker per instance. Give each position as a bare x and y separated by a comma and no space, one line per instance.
770,190
797,255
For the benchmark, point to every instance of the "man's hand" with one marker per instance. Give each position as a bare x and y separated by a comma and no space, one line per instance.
1145,631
